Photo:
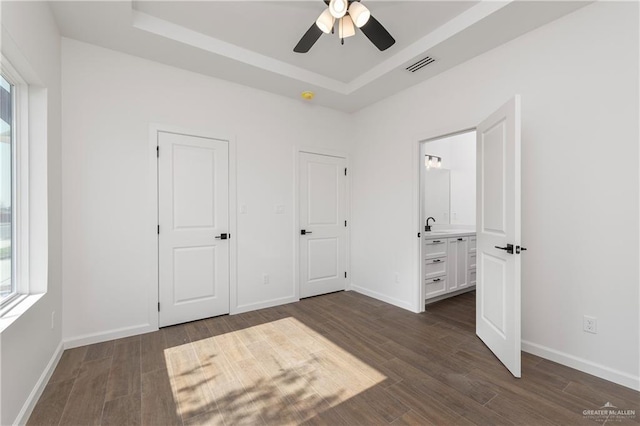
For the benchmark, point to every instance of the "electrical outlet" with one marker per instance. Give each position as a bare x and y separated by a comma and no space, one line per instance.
53,319
243,209
590,324
280,209
397,278
265,279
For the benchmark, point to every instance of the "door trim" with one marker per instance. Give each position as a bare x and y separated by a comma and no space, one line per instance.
296,212
154,247
418,160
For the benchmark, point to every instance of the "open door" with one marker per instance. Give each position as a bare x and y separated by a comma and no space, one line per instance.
498,234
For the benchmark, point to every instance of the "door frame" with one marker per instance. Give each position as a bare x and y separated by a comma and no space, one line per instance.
296,212
154,244
418,197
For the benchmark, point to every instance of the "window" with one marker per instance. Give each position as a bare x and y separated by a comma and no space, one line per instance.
7,190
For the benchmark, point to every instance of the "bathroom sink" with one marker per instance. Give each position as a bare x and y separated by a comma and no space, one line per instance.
448,231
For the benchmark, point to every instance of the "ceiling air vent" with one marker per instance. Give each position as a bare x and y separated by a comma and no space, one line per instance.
420,64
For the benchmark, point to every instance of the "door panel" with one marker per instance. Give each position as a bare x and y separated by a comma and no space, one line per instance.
493,296
193,209
498,224
194,189
322,216
493,195
193,273
322,181
323,258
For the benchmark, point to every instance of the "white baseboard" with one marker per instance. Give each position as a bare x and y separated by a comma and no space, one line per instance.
262,305
35,394
119,333
584,365
383,297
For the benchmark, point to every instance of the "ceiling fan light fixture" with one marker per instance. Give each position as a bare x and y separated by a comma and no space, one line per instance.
338,8
346,28
359,14
325,21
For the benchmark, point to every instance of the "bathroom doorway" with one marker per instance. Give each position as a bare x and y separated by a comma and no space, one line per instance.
448,215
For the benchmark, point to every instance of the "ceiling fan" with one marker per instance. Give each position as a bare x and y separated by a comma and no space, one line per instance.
349,14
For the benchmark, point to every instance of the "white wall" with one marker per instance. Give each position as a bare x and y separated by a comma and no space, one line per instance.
579,221
109,101
29,344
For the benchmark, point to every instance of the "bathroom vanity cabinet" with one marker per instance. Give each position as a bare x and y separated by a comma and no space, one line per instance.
449,264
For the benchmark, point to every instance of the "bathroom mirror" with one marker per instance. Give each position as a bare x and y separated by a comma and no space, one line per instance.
437,191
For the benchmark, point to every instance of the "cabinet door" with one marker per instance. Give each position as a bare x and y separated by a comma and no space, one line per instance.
462,256
452,270
457,259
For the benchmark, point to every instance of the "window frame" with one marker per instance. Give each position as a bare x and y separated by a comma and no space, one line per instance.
20,186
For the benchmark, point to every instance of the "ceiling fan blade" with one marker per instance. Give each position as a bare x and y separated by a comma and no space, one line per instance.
378,35
308,39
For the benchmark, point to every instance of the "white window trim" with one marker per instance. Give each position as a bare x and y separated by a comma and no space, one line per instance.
20,136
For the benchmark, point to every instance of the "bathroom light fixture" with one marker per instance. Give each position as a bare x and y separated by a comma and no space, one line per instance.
432,161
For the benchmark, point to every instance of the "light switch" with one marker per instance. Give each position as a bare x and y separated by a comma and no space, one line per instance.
243,209
279,209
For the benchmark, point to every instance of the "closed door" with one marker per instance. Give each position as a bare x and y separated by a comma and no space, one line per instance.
322,224
498,234
193,216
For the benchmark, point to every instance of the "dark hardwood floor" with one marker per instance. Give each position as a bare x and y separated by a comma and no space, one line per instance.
338,359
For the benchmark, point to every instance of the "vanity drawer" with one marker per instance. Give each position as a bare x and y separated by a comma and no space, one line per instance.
435,287
435,248
435,267
472,244
472,276
472,260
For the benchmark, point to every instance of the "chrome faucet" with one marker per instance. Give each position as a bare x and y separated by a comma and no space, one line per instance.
427,228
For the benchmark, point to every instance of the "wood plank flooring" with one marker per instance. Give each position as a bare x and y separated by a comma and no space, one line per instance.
338,359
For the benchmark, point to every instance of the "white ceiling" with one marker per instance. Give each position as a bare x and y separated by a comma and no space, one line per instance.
251,42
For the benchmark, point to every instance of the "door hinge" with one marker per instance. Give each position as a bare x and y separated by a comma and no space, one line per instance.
345,223
158,229
158,306
345,275
345,171
157,151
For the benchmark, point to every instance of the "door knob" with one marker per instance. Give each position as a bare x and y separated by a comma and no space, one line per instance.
305,232
508,248
518,249
223,237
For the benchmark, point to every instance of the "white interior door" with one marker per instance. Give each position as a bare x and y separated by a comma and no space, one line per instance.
193,214
322,224
498,234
